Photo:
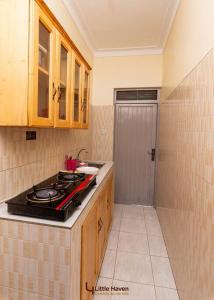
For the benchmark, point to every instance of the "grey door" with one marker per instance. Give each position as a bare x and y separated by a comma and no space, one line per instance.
135,136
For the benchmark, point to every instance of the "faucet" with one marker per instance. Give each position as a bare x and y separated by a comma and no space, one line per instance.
78,155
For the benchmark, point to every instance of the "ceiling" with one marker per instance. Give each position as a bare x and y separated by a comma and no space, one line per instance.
124,25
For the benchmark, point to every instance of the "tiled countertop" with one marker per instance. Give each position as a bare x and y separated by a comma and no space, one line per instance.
70,222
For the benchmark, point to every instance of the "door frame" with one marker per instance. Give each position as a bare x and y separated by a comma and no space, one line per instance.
140,103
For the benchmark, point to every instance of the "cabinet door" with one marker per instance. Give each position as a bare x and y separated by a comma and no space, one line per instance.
85,98
102,223
77,92
109,201
14,52
63,80
89,251
42,53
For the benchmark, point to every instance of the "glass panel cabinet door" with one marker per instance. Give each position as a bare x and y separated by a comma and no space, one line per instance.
85,100
43,71
76,116
41,62
64,83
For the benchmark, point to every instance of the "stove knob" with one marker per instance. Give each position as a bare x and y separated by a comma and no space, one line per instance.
77,203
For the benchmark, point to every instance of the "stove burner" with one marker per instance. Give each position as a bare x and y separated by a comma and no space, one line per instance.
46,193
71,177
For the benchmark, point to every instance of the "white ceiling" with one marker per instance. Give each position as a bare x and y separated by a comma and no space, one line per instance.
139,26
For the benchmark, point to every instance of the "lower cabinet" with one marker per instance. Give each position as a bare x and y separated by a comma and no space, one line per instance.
95,229
109,202
102,226
89,248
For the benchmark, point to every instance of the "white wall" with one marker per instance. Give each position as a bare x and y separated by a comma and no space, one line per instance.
124,71
190,38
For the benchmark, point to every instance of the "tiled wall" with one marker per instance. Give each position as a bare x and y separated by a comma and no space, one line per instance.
102,132
24,163
35,262
185,181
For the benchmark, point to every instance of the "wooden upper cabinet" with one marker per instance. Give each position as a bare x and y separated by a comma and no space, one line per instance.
14,35
77,92
42,90
42,79
63,83
85,98
81,92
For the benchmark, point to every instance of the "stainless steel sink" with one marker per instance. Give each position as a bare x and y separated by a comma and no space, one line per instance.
96,165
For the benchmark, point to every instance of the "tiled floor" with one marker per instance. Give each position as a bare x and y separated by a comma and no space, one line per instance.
136,257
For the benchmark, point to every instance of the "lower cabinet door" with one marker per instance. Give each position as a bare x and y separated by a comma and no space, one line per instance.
102,228
89,251
109,202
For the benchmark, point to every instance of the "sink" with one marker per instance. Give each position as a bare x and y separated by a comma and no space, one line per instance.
88,170
96,165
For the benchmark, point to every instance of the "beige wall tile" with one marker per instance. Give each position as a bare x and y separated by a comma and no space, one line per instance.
185,185
102,132
33,259
24,163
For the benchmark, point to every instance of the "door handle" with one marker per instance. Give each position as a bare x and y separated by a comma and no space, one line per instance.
54,91
82,107
59,94
99,225
152,154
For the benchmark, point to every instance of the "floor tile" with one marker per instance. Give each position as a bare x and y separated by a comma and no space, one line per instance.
166,294
107,269
118,210
149,209
116,223
133,242
133,225
157,246
133,211
136,291
103,282
133,267
162,272
150,213
153,227
113,240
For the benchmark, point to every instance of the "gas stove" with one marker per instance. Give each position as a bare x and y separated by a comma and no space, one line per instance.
55,198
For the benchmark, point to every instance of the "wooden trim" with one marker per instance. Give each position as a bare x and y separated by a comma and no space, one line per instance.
59,27
76,124
61,41
38,15
85,70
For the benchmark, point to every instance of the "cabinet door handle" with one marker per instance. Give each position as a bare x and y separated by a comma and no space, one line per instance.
54,91
99,226
101,223
82,106
60,94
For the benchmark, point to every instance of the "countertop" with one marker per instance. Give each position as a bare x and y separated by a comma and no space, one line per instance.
73,218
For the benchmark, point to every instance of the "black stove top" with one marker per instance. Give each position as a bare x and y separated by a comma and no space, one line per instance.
55,198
